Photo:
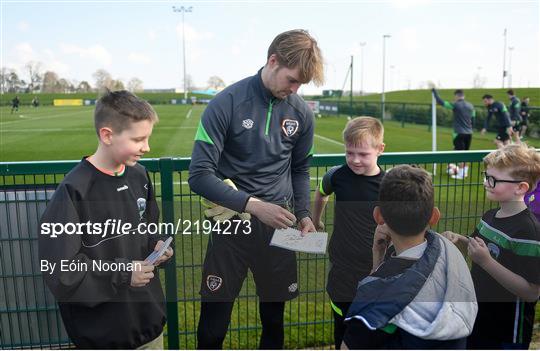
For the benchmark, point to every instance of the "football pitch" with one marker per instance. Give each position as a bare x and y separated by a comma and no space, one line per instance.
67,133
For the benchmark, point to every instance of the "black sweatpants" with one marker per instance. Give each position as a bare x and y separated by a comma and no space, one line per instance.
216,316
339,321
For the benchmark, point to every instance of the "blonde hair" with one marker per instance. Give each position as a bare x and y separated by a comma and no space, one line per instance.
521,161
296,48
359,129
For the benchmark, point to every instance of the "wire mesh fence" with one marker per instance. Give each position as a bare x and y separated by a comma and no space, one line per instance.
29,317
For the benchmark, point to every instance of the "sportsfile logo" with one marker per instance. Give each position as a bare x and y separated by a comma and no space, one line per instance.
118,227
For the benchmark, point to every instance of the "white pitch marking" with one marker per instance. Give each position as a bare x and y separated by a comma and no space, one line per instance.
329,140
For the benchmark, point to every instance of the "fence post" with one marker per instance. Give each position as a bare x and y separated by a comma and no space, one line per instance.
171,280
403,115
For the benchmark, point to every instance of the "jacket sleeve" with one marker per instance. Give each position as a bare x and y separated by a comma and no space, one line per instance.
488,118
357,336
301,158
207,149
442,102
507,119
88,286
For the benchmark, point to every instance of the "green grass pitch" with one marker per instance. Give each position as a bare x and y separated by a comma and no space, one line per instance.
67,133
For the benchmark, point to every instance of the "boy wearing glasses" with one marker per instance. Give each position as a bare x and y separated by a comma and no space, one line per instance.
505,250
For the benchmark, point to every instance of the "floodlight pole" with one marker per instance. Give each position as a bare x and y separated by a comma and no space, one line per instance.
362,44
183,10
504,58
351,94
510,49
383,71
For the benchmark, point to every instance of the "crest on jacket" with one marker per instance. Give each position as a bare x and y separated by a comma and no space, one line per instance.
141,206
289,127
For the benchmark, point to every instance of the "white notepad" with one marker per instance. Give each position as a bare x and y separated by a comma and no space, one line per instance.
292,239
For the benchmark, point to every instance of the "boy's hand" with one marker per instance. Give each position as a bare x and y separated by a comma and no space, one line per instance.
166,255
381,240
142,274
455,238
478,251
320,226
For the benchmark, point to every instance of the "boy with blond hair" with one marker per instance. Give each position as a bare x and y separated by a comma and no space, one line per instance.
505,250
113,299
356,188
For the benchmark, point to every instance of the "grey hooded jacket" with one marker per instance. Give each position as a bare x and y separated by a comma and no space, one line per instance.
432,300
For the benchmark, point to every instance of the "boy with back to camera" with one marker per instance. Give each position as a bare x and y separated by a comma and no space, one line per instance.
122,307
420,294
356,188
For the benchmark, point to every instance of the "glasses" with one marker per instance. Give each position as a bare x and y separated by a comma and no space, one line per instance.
492,181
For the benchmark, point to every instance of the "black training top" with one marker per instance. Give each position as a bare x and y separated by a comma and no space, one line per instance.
99,307
501,113
356,196
515,109
515,243
263,144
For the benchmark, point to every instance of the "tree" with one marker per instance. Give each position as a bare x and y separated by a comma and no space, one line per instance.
215,82
479,81
135,85
33,69
64,86
11,81
103,79
50,82
117,84
4,73
84,87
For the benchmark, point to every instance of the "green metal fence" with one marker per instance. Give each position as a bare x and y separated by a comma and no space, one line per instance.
28,313
413,113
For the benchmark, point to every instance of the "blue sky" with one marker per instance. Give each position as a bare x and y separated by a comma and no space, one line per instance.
446,42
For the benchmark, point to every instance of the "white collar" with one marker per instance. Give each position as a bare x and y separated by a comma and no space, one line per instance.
414,252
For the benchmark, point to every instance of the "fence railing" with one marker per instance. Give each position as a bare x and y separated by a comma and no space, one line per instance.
29,317
412,113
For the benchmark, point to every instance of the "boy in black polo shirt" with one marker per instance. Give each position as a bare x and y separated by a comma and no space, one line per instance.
356,188
112,299
505,250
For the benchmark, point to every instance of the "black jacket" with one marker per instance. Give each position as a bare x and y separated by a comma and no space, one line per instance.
99,307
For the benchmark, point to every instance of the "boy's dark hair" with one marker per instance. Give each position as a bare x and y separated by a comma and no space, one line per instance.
118,109
406,199
487,96
510,92
459,93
